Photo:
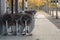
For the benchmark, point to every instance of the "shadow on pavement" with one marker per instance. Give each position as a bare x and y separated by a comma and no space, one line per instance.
55,21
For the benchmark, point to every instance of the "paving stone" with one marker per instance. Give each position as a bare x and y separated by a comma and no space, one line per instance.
44,30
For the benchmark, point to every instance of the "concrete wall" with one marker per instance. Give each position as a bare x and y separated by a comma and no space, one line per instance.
0,6
3,6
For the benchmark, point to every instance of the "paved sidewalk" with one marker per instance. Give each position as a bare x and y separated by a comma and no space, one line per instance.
44,30
53,19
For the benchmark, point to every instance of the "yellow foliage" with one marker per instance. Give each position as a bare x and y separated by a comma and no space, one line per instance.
33,3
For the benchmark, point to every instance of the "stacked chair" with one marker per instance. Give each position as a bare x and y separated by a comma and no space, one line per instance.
22,23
